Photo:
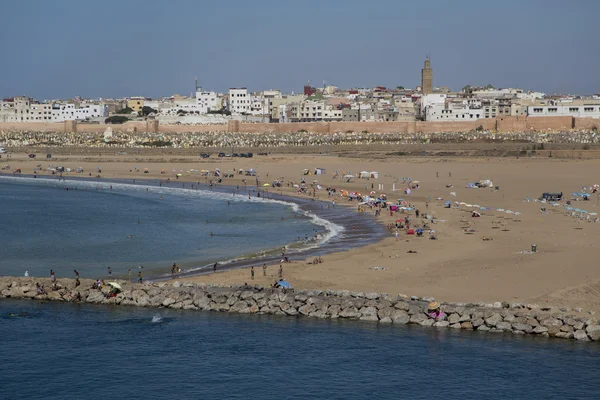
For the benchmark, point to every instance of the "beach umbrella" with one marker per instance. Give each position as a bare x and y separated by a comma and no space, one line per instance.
179,174
115,285
266,184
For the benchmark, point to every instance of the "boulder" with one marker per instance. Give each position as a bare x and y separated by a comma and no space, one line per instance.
483,327
532,321
593,331
372,296
306,309
369,314
504,326
548,322
414,309
465,317
467,325
385,312
386,320
441,324
401,305
581,335
494,319
522,327
453,318
400,317
456,326
427,322
417,318
564,335
350,312
477,323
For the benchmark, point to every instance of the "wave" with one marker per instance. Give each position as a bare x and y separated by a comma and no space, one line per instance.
332,229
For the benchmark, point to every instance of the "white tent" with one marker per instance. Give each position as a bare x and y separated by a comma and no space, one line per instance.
375,174
363,174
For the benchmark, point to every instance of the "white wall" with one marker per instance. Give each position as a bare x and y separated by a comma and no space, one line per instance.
589,111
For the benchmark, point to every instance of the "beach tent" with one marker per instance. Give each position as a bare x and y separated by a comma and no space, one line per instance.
363,174
319,171
283,284
375,174
447,204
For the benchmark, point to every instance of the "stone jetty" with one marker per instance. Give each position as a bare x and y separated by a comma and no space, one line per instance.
381,308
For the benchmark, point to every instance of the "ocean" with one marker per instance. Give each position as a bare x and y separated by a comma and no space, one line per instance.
77,351
90,226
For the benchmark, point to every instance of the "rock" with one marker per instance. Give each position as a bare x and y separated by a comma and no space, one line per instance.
540,329
417,318
386,320
581,335
441,324
593,331
372,296
176,284
464,318
428,299
369,314
477,323
564,335
402,306
385,312
497,305
493,319
319,314
548,322
427,322
578,325
258,296
483,327
522,327
350,312
504,326
306,309
476,315
567,328
400,317
467,325
453,318
456,326
95,297
553,330
533,322
508,317
413,310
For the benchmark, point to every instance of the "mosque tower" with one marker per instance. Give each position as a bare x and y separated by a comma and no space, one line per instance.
427,78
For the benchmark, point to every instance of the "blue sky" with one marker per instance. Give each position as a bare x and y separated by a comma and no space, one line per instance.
109,48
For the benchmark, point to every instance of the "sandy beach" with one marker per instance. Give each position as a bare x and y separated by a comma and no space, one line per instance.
459,265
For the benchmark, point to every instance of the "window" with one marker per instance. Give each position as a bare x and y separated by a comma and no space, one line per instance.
573,109
537,110
588,109
552,110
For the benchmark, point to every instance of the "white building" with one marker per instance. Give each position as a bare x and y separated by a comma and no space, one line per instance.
438,112
207,101
69,112
239,101
585,110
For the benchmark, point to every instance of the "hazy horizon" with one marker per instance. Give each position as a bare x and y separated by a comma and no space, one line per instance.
112,49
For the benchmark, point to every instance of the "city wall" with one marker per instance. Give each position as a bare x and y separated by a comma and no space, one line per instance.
381,308
501,124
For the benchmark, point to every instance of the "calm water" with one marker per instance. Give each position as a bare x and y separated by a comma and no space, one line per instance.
69,351
44,226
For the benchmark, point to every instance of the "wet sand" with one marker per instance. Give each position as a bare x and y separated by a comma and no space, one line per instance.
458,266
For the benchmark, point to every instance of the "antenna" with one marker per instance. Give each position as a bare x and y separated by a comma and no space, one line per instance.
196,83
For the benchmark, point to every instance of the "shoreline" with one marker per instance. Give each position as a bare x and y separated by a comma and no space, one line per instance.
500,317
368,230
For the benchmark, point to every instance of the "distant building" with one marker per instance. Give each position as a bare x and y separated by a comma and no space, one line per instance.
207,101
136,103
427,78
239,101
585,110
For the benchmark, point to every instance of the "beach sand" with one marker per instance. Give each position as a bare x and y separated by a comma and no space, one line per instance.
456,267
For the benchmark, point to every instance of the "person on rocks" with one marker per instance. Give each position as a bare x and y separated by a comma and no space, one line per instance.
264,269
434,312
52,276
39,289
140,277
252,273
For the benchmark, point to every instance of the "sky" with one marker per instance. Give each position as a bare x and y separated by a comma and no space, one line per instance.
117,48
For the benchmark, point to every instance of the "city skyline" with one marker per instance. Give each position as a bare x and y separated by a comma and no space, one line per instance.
65,49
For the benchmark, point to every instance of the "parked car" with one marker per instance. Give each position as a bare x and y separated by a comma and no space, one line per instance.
221,155
31,155
250,155
204,155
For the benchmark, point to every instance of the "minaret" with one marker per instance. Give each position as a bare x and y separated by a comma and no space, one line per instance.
427,78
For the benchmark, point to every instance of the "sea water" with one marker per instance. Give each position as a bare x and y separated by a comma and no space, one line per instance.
78,351
90,226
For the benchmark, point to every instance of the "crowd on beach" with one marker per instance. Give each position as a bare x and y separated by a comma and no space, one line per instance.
274,139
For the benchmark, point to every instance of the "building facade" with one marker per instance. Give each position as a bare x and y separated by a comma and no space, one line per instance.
207,101
239,101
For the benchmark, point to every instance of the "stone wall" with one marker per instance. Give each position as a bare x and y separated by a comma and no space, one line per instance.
382,308
502,124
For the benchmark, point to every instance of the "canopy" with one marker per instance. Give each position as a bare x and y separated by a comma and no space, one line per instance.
266,184
115,285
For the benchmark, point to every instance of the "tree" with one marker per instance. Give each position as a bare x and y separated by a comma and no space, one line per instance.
147,110
125,110
490,86
400,87
466,88
116,119
181,112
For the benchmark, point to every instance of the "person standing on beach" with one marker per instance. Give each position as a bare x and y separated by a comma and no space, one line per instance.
281,270
52,276
252,273
140,277
264,269
76,273
215,267
109,271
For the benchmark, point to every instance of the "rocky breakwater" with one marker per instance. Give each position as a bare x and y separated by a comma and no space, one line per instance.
376,307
